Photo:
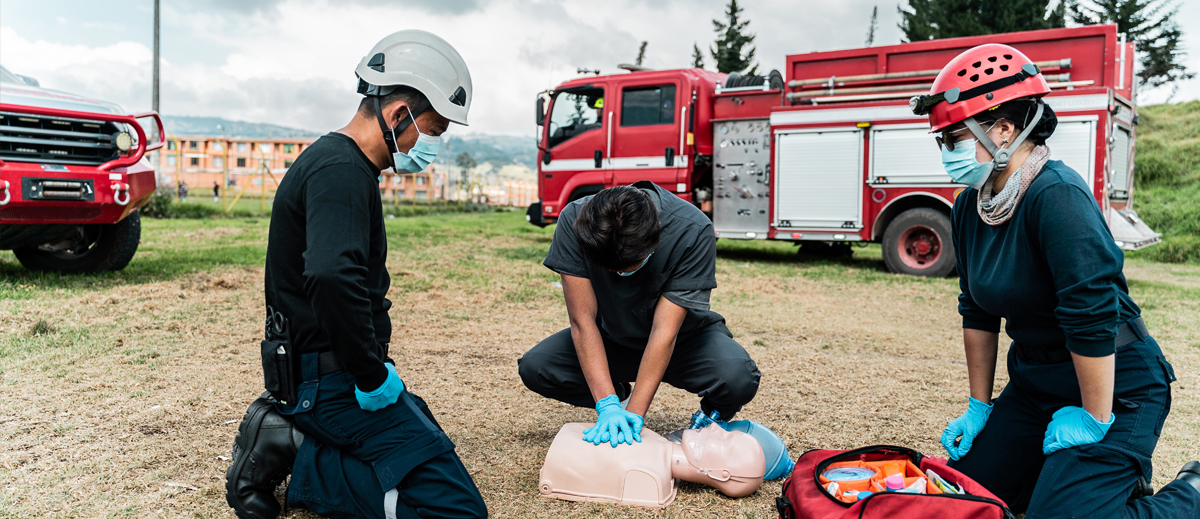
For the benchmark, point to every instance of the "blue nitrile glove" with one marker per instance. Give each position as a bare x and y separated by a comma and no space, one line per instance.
1073,426
384,395
968,426
614,425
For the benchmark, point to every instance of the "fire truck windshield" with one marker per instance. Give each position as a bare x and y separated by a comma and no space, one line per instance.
574,113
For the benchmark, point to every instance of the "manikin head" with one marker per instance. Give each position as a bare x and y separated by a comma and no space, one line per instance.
729,461
643,474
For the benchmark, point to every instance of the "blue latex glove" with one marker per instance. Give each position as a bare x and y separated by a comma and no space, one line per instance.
384,395
968,426
614,425
1073,426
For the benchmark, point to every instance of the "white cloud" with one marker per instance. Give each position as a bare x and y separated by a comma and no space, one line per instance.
291,62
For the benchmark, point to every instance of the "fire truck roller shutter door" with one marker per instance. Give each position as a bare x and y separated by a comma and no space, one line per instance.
1074,143
820,179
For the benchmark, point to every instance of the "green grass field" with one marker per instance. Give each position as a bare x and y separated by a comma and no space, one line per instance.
1167,177
122,391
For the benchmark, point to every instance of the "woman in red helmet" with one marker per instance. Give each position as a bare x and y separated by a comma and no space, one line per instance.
1072,433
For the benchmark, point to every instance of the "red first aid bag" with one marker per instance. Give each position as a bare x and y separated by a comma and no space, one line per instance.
806,494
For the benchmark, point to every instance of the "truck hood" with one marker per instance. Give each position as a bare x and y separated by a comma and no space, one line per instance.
11,93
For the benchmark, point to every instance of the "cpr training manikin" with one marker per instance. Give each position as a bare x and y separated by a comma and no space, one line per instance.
643,474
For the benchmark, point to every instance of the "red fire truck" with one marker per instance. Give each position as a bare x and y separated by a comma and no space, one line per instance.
831,154
72,178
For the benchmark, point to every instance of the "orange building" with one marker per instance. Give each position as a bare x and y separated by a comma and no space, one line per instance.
201,160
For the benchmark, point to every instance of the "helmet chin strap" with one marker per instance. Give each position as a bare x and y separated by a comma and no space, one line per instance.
1001,156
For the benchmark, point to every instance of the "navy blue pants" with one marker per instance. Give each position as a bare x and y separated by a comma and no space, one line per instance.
1091,481
392,463
708,363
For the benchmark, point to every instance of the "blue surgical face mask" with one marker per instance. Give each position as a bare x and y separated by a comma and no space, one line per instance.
634,271
963,167
422,154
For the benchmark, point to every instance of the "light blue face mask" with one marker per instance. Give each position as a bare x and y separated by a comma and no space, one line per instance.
963,167
422,154
634,271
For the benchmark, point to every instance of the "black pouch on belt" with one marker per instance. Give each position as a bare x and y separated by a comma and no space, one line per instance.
279,362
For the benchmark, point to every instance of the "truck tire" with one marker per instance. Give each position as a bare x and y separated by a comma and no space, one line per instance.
109,247
918,243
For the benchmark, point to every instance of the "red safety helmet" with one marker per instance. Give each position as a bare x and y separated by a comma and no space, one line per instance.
976,80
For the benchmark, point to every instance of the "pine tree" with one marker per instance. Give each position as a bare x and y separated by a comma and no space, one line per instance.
697,57
730,52
874,24
935,19
641,54
1151,25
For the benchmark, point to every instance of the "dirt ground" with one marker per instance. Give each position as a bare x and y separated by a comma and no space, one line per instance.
123,400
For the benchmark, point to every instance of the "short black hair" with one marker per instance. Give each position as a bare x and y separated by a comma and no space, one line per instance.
410,96
1020,113
618,228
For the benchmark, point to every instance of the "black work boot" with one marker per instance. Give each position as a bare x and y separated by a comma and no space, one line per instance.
1190,473
263,452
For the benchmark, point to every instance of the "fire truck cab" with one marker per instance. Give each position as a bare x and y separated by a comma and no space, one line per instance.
833,155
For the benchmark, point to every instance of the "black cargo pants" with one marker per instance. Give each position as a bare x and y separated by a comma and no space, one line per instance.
708,363
1092,481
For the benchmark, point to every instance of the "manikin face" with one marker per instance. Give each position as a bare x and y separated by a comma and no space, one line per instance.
723,454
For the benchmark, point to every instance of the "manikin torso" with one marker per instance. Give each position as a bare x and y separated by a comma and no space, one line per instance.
643,474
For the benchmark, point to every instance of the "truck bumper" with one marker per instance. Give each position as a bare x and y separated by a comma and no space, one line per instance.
105,197
534,216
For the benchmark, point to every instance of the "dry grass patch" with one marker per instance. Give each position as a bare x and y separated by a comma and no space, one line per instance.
120,396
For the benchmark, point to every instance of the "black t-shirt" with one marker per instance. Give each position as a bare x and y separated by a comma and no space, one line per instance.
684,261
325,258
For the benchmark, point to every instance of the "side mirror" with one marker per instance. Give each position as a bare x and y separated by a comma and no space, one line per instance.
546,157
541,111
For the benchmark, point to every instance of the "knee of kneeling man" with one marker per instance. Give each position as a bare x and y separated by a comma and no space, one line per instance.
530,370
742,380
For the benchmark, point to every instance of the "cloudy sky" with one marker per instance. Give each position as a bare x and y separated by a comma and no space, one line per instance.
291,62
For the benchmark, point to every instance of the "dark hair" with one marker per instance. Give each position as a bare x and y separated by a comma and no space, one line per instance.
411,96
1020,113
618,228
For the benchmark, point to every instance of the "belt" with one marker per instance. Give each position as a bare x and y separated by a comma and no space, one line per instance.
328,363
1128,332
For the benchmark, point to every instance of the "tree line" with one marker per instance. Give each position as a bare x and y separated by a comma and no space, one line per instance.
1150,24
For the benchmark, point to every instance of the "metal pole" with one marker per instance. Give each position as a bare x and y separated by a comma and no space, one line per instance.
154,158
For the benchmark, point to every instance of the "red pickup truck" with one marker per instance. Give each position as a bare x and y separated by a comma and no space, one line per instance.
72,177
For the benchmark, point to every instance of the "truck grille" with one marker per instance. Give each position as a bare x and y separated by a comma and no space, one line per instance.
56,140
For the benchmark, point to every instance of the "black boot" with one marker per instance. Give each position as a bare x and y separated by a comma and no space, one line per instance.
1190,473
263,452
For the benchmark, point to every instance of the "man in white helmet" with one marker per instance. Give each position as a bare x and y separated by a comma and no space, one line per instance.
361,445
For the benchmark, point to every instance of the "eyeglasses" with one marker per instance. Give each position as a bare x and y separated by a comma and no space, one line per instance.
947,139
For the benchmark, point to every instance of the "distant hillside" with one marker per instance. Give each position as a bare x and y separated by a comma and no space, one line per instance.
1167,176
497,149
190,125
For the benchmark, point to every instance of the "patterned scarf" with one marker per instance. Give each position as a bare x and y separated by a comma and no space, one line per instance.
997,208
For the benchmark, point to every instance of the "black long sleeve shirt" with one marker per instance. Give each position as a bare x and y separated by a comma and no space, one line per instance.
1053,271
325,258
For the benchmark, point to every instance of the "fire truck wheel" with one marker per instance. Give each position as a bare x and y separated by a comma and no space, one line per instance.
918,243
105,248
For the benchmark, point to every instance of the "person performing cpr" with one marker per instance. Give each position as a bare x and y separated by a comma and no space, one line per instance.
1073,431
638,265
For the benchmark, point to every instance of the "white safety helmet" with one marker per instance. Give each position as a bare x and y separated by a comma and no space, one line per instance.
424,62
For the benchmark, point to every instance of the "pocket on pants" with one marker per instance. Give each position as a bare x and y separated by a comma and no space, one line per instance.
1169,374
